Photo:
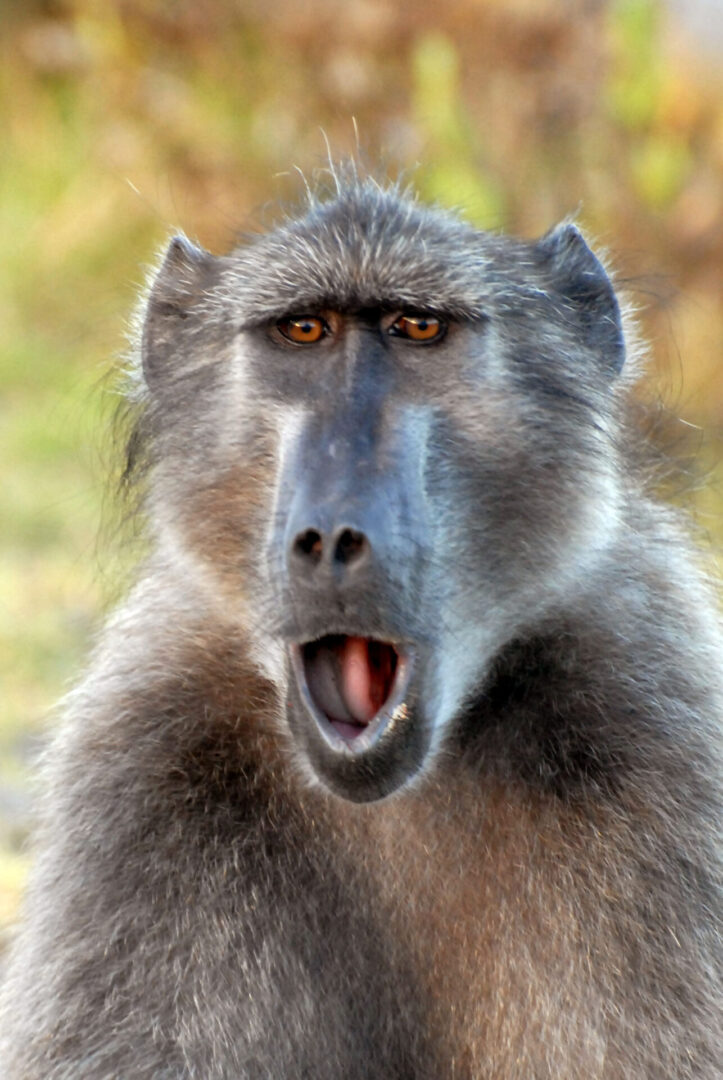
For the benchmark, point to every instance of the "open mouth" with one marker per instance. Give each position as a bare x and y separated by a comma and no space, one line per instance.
352,686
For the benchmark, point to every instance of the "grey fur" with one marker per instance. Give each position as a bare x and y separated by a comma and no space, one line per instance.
538,894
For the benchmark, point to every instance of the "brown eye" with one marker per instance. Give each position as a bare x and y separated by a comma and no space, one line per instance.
418,327
304,330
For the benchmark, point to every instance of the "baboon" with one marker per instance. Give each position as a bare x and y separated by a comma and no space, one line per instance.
401,760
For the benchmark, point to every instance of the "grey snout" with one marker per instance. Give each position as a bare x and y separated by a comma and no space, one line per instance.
353,522
334,539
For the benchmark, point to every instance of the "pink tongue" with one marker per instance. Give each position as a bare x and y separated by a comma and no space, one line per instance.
356,679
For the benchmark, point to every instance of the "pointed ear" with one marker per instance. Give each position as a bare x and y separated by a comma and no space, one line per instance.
579,278
171,315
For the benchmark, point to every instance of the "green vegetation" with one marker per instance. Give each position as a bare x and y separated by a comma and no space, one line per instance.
125,119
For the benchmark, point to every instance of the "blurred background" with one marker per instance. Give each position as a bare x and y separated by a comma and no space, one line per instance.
123,119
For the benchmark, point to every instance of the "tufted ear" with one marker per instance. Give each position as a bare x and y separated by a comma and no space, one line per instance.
579,278
171,315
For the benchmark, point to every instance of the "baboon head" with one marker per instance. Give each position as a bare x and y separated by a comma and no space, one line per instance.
384,442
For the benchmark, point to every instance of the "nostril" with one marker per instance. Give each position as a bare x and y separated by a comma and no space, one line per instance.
350,546
344,548
309,545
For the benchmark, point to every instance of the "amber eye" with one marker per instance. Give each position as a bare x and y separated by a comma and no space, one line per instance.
418,327
304,330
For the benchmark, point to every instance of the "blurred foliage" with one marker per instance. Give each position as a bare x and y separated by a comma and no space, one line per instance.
122,119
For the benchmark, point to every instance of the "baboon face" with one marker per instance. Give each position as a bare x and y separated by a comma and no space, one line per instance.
382,440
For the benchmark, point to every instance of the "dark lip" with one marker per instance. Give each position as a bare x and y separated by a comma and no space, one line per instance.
393,710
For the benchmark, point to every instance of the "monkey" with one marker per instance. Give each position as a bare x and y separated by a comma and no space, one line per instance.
402,757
